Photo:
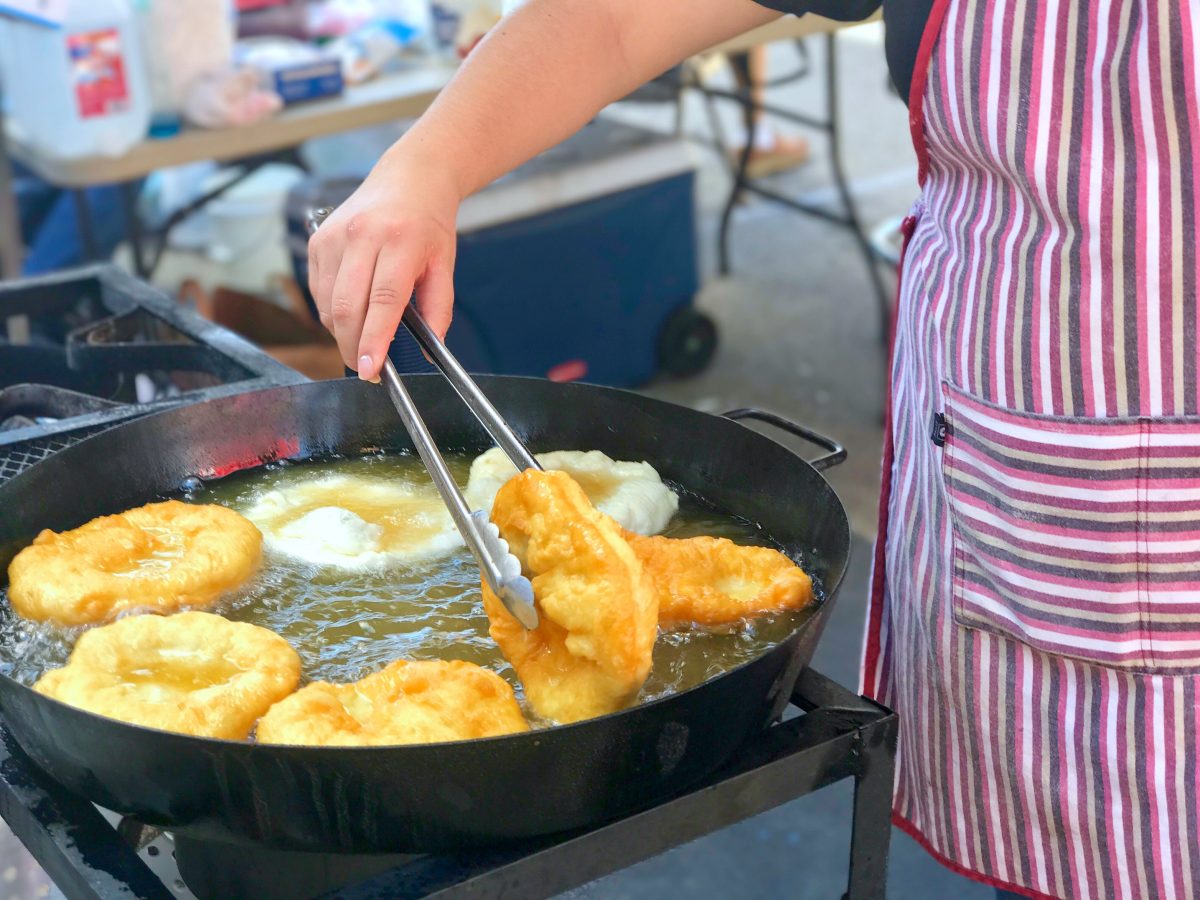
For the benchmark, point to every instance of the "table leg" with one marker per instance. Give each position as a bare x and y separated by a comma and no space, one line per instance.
129,197
872,824
829,124
740,62
882,295
87,233
11,249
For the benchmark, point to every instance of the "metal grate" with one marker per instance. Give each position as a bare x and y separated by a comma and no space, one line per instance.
16,458
131,329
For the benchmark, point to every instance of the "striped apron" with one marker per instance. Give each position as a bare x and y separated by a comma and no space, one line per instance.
1035,617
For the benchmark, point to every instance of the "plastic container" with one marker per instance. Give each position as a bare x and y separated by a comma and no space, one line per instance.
248,231
78,90
182,41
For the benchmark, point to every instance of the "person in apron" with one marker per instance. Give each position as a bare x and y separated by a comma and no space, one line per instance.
1035,618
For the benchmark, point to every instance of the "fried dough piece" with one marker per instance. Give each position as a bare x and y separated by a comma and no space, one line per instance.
713,581
403,703
633,493
355,522
195,673
160,557
591,651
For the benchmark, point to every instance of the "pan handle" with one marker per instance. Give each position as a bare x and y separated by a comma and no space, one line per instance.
835,452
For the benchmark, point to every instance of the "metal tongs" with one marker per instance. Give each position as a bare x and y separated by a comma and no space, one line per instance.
500,569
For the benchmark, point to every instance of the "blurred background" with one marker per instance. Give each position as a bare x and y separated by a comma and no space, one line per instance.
724,237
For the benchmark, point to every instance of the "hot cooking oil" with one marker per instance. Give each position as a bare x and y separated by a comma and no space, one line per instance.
347,624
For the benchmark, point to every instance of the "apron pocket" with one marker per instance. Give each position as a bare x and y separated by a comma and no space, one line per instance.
1079,537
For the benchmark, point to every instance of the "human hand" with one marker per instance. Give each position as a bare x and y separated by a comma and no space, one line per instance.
394,235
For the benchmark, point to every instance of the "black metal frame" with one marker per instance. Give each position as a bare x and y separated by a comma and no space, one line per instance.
213,348
826,123
839,736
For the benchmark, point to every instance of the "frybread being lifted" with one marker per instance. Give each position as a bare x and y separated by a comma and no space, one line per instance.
591,651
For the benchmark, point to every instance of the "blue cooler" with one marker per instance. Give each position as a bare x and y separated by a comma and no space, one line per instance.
580,265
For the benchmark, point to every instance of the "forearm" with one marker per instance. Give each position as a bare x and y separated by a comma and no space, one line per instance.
548,68
540,75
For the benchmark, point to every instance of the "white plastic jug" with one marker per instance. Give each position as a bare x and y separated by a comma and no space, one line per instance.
78,90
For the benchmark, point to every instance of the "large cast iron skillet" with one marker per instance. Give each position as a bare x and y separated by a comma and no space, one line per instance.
400,799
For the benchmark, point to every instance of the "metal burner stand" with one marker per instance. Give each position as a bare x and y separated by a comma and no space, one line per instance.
112,341
839,735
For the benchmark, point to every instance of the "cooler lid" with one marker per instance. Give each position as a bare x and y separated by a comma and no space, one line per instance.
604,158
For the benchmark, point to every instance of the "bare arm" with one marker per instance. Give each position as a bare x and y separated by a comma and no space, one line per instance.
539,76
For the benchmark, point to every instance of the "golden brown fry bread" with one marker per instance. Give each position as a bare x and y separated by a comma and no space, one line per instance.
195,673
591,651
404,703
713,581
160,557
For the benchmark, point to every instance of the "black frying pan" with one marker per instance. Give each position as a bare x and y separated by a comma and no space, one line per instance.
429,797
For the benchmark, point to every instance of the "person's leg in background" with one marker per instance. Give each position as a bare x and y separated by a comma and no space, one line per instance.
773,151
50,224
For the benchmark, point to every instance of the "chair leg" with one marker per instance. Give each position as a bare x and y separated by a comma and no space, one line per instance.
740,63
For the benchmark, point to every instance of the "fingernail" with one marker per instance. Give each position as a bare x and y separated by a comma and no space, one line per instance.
364,366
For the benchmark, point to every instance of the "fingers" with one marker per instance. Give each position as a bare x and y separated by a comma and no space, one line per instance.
349,298
395,272
320,281
435,297
362,275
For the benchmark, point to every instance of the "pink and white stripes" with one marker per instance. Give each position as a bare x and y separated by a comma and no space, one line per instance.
1038,627
1080,537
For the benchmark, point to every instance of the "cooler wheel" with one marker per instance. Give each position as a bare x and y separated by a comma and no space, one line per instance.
687,342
